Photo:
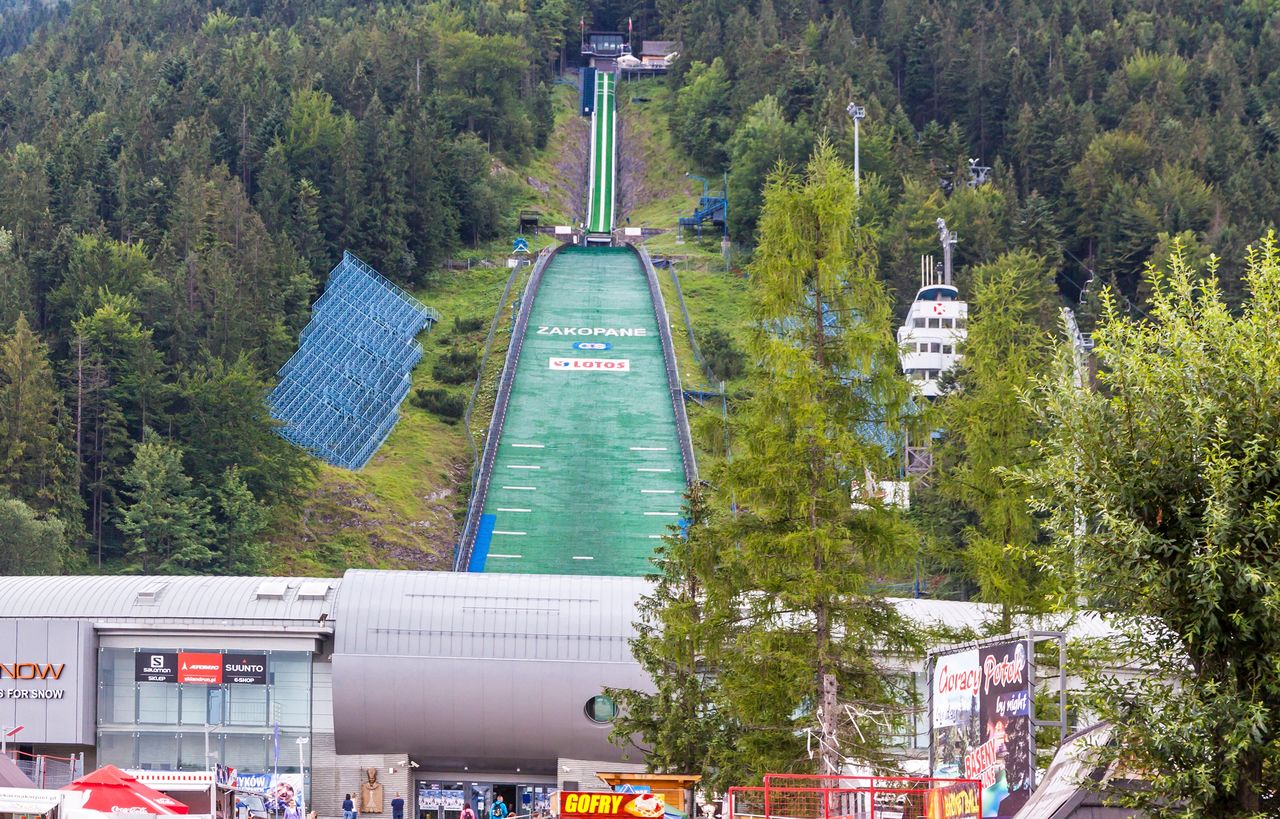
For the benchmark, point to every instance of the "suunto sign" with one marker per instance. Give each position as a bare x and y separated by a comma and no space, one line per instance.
202,668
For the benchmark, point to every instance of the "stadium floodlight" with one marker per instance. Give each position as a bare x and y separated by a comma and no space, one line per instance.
858,113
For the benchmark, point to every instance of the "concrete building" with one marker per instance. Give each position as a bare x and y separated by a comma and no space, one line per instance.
449,687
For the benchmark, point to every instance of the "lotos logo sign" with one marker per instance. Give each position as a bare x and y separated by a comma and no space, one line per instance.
31,671
613,365
634,805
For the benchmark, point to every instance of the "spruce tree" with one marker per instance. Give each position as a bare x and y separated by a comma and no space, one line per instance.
800,559
165,522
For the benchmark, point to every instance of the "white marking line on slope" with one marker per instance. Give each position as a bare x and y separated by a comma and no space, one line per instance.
656,537
512,509
530,446
521,488
491,554
651,469
657,491
657,514
582,557
521,466
500,532
648,449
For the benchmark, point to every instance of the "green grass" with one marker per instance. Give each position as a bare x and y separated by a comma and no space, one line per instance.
404,509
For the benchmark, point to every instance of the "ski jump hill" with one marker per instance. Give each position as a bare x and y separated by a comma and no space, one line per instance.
588,452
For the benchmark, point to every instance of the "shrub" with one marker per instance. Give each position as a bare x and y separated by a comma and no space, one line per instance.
440,402
722,355
456,367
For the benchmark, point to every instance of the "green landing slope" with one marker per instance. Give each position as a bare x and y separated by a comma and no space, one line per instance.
588,475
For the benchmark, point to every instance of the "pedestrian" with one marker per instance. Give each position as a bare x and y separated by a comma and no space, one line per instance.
467,813
397,807
499,809
348,808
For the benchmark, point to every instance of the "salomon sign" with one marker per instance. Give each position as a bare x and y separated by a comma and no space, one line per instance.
613,365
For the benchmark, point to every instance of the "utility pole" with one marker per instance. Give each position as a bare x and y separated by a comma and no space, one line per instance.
858,112
302,769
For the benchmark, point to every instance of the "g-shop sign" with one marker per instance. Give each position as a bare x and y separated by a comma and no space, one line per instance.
599,365
200,668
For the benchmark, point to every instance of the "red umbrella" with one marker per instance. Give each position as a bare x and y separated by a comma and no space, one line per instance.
111,790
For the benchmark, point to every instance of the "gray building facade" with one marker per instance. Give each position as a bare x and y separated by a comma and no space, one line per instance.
447,687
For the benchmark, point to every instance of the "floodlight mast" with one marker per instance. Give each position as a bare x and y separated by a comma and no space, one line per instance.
858,113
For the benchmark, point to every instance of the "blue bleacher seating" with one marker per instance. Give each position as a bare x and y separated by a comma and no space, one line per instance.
339,395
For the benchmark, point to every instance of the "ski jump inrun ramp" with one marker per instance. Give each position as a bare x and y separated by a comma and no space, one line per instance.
588,452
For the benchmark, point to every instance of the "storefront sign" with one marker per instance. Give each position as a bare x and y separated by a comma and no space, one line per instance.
31,671
155,666
201,668
244,669
980,723
635,805
204,669
616,365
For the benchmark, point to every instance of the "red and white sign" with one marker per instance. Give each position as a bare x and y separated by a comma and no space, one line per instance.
200,668
608,365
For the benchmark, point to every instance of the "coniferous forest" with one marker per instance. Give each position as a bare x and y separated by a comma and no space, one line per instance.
176,179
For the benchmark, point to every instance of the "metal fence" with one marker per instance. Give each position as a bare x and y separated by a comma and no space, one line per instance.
51,772
673,374
475,506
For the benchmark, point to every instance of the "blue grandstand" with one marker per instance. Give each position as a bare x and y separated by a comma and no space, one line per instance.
339,395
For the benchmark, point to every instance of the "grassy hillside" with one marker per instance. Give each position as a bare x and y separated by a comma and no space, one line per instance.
404,509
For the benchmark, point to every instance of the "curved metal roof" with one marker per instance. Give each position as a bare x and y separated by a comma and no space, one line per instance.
462,614
175,599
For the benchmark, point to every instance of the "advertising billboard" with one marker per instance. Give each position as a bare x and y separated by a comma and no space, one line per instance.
202,668
594,803
980,722
48,680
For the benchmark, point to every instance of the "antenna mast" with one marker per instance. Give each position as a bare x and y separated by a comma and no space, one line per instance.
948,240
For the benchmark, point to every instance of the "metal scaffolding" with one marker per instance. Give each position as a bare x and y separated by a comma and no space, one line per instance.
339,395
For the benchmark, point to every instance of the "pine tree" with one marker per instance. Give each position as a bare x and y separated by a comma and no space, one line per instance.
33,457
28,544
800,559
677,725
240,522
165,522
990,430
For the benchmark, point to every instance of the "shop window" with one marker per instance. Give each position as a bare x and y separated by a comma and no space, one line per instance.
191,751
117,692
291,688
157,751
251,752
247,705
117,748
157,703
601,709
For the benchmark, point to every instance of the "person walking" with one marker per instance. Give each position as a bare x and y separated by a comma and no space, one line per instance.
348,808
397,807
467,813
499,809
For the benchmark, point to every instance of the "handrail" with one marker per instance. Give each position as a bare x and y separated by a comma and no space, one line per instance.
669,360
475,505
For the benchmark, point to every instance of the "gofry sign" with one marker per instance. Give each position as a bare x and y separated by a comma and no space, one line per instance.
635,805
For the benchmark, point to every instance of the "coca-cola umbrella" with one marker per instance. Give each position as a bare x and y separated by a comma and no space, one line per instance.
111,790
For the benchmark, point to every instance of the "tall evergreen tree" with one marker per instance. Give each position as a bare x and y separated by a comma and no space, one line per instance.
164,521
990,431
800,559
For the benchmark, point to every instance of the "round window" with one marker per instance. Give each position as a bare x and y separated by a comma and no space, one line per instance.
601,709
